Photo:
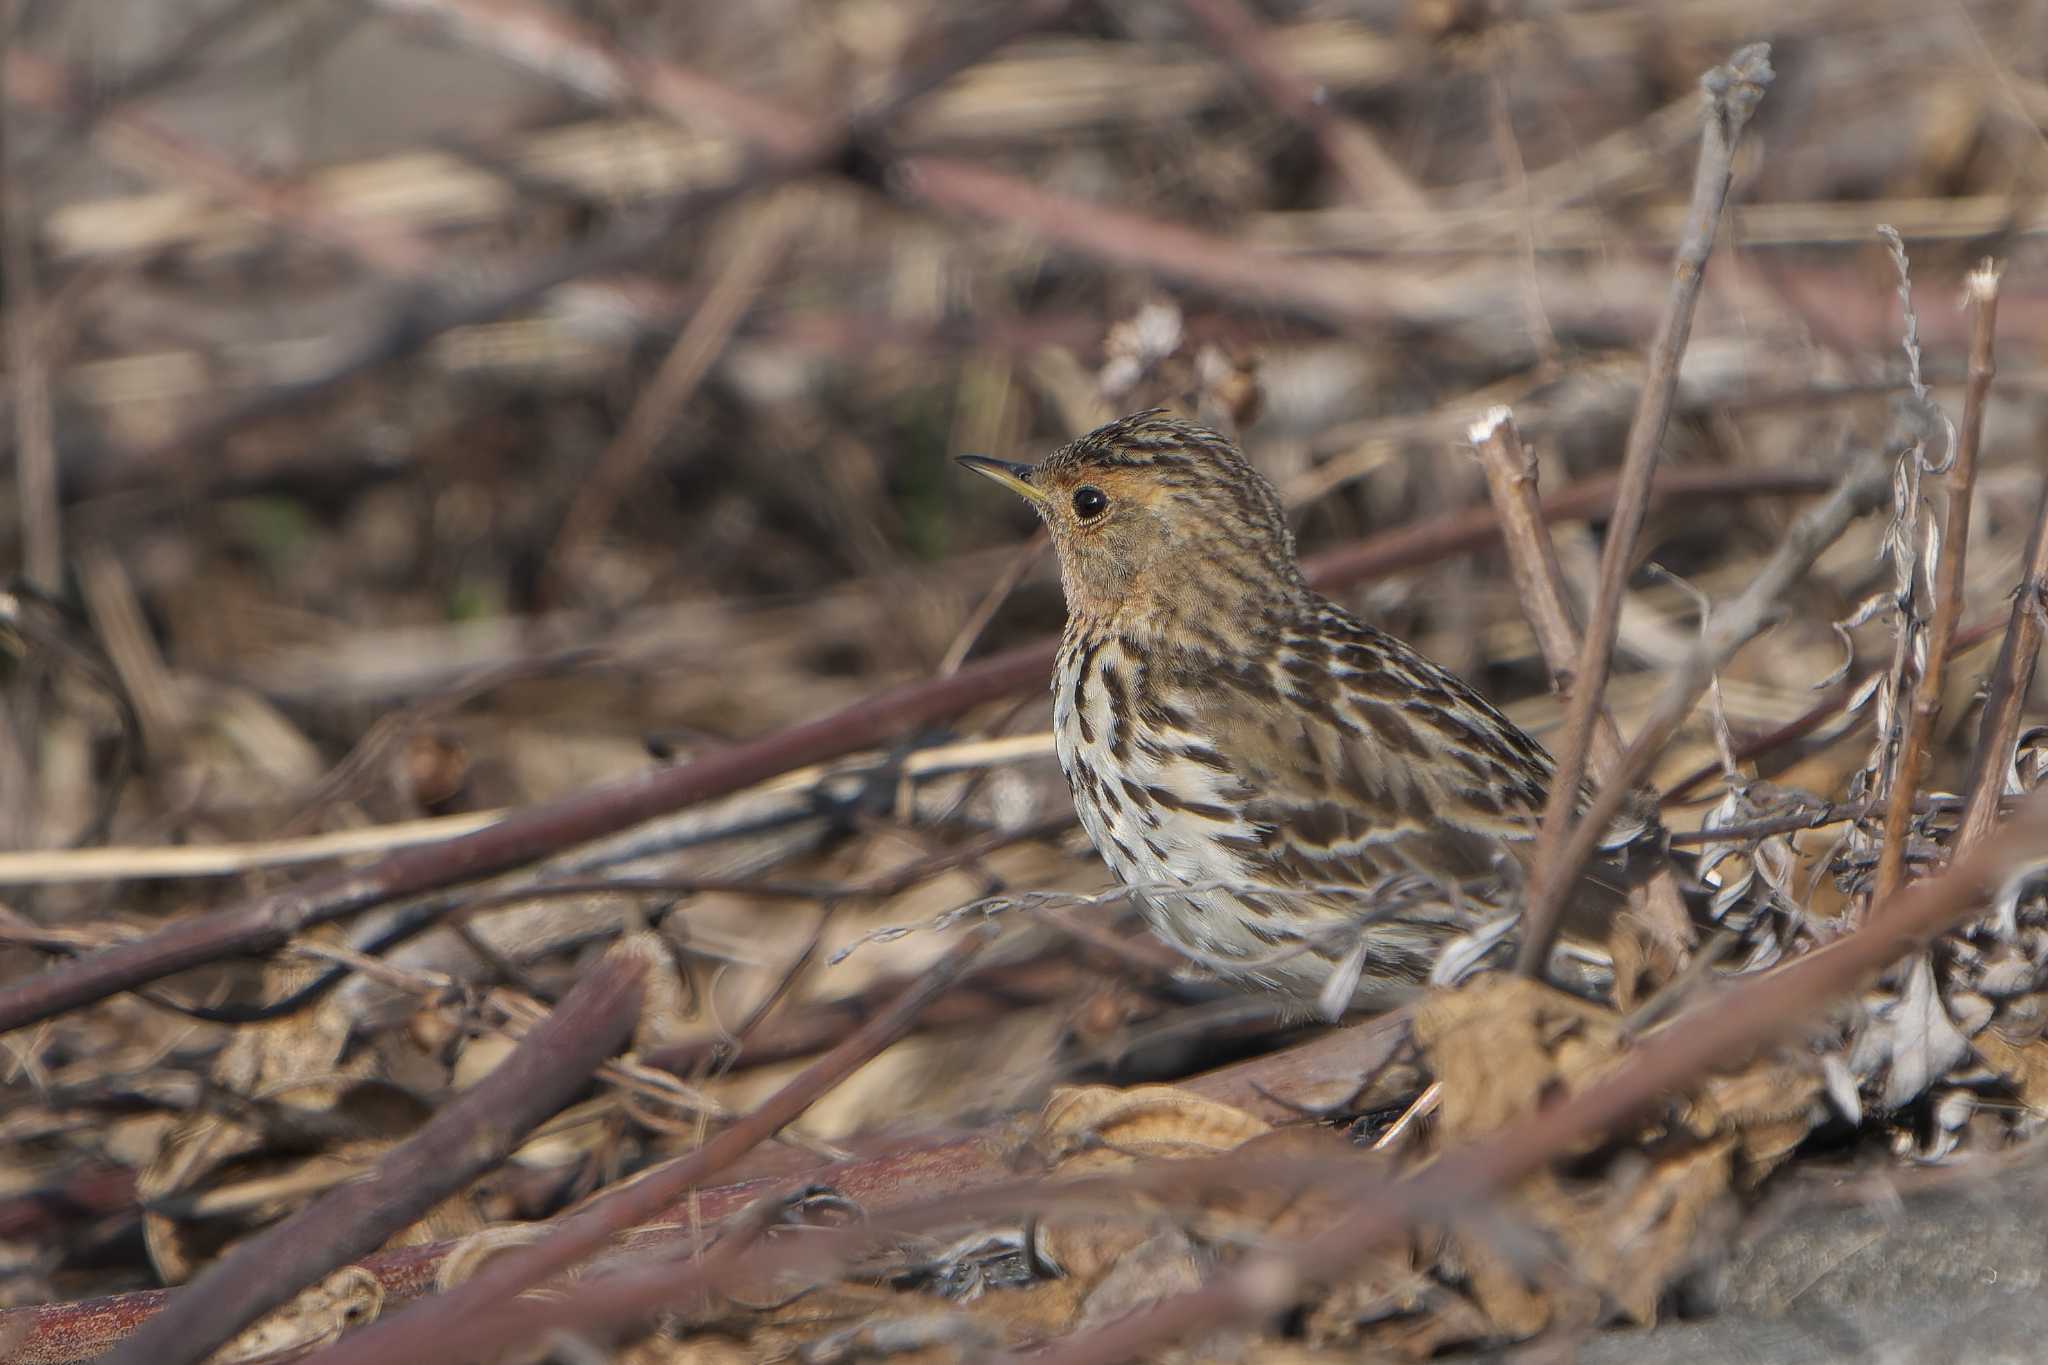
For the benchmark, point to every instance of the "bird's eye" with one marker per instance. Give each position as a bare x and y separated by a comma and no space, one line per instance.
1090,503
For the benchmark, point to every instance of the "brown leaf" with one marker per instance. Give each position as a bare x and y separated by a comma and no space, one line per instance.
1093,1128
2024,1065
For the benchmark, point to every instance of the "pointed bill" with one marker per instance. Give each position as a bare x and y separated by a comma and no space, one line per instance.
1015,477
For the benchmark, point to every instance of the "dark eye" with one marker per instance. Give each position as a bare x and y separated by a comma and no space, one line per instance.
1090,503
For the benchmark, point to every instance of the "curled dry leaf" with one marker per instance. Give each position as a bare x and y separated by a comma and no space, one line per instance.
350,1297
1605,1243
1092,1128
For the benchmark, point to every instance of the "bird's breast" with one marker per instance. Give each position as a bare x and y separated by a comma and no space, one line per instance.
1159,804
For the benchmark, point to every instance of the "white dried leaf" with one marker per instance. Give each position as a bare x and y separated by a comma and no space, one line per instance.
1866,611
1924,1044
1840,1085
1463,954
2021,777
1840,670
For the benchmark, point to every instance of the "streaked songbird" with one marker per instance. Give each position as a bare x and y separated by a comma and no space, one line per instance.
1298,800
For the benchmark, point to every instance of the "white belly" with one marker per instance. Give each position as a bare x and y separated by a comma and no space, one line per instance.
1147,845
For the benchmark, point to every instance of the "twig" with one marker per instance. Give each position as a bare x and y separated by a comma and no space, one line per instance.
2012,676
39,867
443,1329
1817,715
1930,652
1021,563
1732,93
1811,817
465,1138
1539,583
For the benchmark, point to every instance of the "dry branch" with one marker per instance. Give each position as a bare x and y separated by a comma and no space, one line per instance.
1731,95
448,1326
1931,653
2012,677
467,1137
1861,490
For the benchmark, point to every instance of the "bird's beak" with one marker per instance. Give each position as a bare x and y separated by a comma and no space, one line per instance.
1015,477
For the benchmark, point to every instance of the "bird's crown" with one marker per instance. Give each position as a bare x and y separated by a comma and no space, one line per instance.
1148,439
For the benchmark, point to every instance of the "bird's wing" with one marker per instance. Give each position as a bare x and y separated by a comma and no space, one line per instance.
1358,759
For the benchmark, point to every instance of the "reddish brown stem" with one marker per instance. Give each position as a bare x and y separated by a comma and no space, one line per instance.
444,1329
1949,568
2012,677
1860,490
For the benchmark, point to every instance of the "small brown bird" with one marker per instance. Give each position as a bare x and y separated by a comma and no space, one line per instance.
1301,801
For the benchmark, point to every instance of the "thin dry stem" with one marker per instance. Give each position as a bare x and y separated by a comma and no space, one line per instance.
1732,93
2012,676
1539,583
1961,481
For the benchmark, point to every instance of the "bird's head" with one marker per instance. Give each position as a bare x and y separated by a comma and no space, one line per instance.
1158,521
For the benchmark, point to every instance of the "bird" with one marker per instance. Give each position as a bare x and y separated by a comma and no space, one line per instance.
1299,801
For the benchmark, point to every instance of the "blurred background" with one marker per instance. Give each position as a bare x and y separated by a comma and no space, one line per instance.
432,406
